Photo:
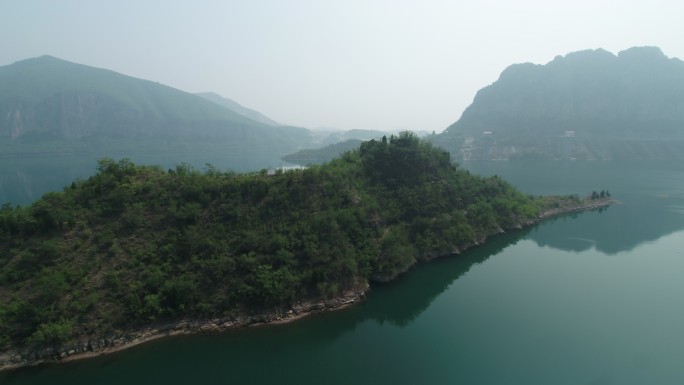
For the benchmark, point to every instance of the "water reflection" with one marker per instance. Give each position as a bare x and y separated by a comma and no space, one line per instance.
651,196
619,229
362,339
398,303
403,300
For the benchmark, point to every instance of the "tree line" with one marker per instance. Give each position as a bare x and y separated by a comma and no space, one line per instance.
134,244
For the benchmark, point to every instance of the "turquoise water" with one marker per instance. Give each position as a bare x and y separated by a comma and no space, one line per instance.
594,298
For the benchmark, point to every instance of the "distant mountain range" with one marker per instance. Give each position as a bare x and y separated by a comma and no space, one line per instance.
52,96
333,137
589,105
309,156
52,106
237,107
332,144
57,118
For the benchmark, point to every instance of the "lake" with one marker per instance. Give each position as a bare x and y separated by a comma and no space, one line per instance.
24,180
592,298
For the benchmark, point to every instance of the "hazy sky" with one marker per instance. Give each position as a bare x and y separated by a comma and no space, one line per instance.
368,64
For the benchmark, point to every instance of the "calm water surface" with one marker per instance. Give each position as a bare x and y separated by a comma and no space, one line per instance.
594,298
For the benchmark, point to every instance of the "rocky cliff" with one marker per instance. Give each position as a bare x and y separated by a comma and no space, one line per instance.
587,104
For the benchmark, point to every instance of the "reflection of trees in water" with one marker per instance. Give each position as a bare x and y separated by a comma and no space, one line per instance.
398,303
401,301
621,228
611,230
646,189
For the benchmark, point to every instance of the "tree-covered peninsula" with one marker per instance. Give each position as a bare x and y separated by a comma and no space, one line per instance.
135,246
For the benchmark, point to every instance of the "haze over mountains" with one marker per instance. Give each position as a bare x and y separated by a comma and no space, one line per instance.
52,96
57,118
98,111
585,105
590,105
237,107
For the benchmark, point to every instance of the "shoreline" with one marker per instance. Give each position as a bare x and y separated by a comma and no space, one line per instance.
587,205
210,326
86,349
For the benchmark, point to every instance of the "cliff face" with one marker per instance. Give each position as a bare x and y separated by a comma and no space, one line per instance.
71,115
577,105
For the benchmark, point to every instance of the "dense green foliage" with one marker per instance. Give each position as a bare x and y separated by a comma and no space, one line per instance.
133,245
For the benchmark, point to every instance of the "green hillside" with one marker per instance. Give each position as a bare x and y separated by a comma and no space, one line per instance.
137,245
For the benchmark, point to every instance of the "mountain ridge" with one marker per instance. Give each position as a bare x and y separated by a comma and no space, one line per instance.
238,108
50,105
39,94
591,96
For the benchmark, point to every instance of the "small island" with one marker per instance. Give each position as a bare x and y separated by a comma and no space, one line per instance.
136,252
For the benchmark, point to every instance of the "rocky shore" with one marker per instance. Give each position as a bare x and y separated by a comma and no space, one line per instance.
584,205
86,348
